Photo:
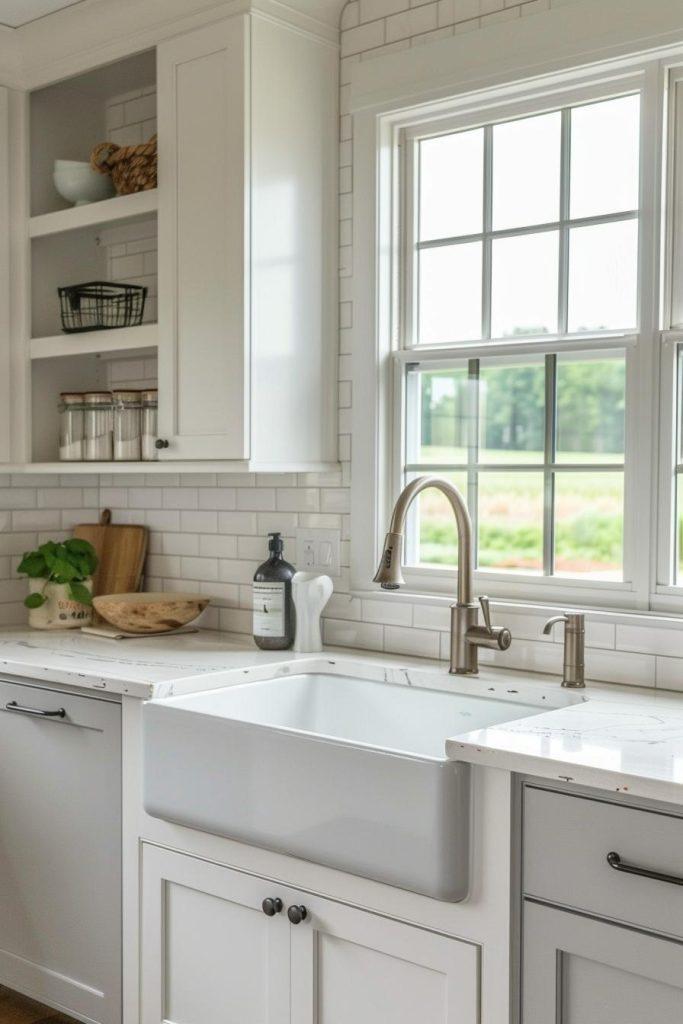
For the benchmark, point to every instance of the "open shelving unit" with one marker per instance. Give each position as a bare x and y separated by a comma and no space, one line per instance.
111,240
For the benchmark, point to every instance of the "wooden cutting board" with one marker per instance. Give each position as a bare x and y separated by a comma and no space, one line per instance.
121,551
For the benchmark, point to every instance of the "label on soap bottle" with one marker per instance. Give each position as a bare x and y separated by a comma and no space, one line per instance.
269,609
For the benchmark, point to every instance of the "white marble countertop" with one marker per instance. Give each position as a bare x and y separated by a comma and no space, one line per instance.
622,739
138,668
617,738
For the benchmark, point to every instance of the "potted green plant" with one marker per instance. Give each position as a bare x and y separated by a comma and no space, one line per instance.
60,584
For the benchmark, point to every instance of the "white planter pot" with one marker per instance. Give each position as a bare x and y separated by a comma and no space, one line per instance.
59,610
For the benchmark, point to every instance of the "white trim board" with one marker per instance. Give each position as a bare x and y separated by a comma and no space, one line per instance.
578,33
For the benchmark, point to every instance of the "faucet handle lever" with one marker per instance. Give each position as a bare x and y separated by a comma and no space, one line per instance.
486,612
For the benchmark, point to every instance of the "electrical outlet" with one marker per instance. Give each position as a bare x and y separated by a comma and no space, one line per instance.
318,551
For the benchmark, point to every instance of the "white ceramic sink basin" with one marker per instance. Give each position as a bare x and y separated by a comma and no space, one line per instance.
347,772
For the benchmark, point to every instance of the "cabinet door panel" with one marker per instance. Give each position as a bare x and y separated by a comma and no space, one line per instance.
203,254
209,953
578,970
353,967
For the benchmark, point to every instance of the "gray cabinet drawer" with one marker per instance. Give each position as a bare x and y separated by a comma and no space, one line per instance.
566,842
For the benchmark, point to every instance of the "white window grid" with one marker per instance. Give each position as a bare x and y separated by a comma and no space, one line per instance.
639,586
562,226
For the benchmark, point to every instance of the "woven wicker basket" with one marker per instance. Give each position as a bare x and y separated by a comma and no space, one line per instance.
132,168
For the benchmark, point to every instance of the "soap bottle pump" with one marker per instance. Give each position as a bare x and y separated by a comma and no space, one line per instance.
273,604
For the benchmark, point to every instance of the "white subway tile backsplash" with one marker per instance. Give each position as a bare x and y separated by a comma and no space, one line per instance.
255,499
389,614
217,545
343,633
667,642
180,497
419,643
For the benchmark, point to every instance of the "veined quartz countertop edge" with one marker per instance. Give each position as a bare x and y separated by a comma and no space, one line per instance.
619,738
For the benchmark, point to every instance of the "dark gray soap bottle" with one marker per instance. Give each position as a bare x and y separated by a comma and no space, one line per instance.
273,604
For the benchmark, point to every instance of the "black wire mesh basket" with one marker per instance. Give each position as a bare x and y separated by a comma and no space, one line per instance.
100,305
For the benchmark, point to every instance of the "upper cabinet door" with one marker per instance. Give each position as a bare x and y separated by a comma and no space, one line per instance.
203,242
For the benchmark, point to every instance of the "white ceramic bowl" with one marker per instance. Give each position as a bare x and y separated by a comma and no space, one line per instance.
76,182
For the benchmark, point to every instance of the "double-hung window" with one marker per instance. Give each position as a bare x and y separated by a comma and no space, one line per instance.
520,310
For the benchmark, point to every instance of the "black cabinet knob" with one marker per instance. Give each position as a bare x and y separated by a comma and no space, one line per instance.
297,914
161,443
271,907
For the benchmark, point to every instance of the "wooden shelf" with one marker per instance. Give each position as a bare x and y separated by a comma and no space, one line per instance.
108,211
120,339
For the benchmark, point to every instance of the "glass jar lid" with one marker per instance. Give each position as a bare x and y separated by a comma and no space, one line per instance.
97,398
71,397
127,396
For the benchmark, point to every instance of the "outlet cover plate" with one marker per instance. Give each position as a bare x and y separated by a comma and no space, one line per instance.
318,551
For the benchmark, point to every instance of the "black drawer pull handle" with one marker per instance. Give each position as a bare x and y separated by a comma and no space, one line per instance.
615,861
20,709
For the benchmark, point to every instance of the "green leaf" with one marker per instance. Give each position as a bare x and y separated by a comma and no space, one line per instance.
33,564
35,600
63,571
80,593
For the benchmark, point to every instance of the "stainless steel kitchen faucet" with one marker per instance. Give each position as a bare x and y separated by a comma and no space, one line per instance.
466,634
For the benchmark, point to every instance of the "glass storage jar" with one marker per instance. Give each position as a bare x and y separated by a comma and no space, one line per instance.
98,426
126,405
150,406
71,427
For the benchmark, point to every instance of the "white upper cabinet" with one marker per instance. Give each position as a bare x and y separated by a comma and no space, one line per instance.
236,247
246,114
203,93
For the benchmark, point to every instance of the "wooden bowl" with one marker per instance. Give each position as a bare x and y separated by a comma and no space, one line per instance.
150,613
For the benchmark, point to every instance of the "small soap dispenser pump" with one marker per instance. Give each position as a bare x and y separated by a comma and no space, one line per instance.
273,605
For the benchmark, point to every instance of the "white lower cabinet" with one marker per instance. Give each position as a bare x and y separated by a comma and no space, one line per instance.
580,970
211,955
60,850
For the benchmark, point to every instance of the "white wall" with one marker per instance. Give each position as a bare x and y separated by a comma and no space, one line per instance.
208,531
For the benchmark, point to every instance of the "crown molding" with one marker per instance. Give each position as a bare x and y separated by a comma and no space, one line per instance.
96,32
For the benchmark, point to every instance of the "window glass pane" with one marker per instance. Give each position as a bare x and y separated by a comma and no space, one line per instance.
526,171
603,270
589,524
432,536
590,408
444,410
512,411
450,293
451,185
524,285
605,157
510,521
679,529
679,404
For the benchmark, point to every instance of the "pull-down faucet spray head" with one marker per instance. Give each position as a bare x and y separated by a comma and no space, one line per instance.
389,574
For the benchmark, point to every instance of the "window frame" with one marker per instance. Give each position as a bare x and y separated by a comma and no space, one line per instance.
633,590
379,127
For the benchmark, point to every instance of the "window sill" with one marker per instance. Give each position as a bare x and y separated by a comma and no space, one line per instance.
617,616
